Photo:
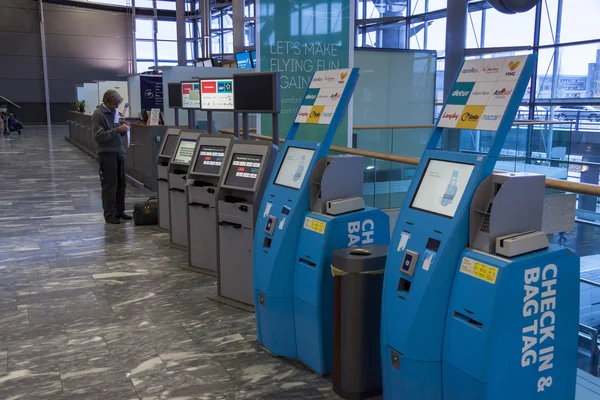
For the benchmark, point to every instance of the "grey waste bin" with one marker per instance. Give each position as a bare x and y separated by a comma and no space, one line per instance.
358,283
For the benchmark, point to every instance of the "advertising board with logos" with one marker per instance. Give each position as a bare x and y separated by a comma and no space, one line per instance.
481,93
323,97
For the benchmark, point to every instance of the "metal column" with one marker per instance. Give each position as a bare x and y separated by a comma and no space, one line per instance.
181,43
237,6
45,67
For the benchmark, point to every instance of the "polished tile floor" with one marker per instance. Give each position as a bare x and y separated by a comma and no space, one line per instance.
90,311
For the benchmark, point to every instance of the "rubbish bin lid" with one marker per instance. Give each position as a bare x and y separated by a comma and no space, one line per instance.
360,259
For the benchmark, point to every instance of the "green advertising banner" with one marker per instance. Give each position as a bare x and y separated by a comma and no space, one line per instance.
297,38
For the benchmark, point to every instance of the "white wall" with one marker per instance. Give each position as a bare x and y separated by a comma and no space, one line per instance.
90,95
135,95
119,86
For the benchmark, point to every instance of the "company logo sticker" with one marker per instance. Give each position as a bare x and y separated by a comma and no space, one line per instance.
491,70
225,87
343,75
470,117
513,66
450,116
491,118
470,71
502,93
460,93
303,114
481,93
315,115
311,97
327,115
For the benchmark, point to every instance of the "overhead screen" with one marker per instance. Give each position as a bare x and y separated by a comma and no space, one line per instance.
216,94
210,159
442,187
256,92
185,151
170,145
175,95
253,56
244,170
190,95
294,166
243,60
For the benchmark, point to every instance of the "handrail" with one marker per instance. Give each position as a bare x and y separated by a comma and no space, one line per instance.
364,128
557,184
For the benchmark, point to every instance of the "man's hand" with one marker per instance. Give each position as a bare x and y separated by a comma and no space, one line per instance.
123,128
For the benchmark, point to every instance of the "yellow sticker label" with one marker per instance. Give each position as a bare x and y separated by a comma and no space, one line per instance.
315,114
470,117
479,270
314,225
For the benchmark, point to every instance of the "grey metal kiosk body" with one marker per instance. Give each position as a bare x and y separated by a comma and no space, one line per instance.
168,147
178,170
206,169
242,187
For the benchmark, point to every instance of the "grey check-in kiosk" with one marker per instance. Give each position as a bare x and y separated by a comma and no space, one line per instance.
203,190
169,145
178,170
242,187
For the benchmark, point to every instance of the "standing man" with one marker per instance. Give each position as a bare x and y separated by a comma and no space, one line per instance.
107,133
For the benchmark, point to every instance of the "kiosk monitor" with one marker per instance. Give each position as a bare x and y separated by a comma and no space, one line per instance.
185,151
190,95
294,167
210,159
170,145
244,170
256,92
243,60
442,187
253,56
216,94
175,95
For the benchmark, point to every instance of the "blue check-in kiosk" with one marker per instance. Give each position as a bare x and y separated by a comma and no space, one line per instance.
338,218
285,205
443,338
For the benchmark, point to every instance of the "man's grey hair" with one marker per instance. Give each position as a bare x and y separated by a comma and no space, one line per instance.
112,95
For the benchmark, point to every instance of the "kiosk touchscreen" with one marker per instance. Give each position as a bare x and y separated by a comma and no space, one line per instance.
207,167
178,170
169,145
241,191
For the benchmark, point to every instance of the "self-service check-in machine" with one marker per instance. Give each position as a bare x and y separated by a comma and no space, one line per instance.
338,218
169,145
241,190
285,206
433,350
207,167
512,323
178,170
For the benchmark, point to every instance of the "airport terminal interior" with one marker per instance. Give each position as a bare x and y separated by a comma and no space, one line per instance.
316,199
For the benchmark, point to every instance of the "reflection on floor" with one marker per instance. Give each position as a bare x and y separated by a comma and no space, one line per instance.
90,311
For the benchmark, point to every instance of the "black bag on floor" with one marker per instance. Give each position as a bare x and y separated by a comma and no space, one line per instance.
146,213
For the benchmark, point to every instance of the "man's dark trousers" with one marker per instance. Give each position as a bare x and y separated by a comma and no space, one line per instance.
112,177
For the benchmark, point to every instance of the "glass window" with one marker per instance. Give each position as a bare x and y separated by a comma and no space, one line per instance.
167,63
167,50
215,20
144,50
167,30
579,21
190,51
502,30
249,9
429,35
189,30
143,66
165,5
144,28
215,43
228,42
423,6
228,19
144,3
474,30
249,40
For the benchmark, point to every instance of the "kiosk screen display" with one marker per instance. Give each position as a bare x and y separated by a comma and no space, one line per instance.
170,145
190,95
244,170
294,166
175,95
210,159
185,151
253,56
216,94
442,187
243,60
256,93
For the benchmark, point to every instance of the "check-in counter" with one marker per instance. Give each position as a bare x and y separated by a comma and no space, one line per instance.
141,152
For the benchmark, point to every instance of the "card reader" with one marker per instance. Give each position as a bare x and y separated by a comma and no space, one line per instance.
343,206
521,243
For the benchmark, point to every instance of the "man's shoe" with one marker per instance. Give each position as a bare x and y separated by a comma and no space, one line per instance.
112,220
125,217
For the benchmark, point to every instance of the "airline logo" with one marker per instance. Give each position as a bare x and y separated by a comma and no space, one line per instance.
460,93
450,116
470,117
311,97
343,75
491,118
490,70
303,114
481,93
327,115
502,93
209,87
334,78
512,68
225,87
328,97
470,71
315,115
